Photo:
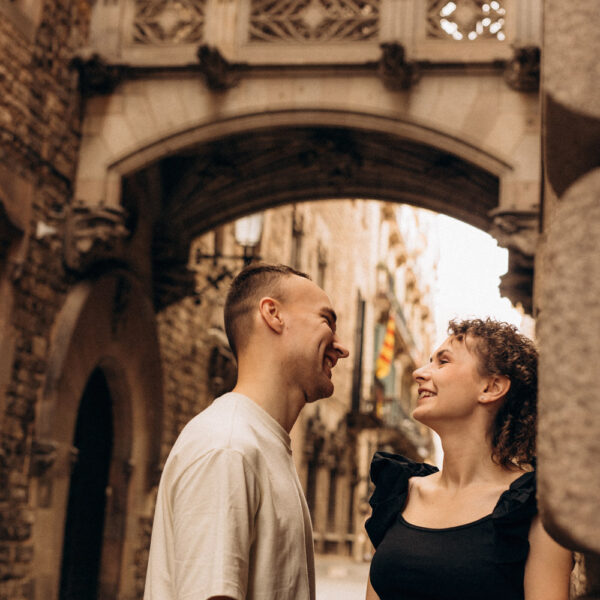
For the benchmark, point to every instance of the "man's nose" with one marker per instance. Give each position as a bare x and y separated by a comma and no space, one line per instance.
341,350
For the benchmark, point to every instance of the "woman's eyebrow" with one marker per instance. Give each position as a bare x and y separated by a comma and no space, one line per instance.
439,353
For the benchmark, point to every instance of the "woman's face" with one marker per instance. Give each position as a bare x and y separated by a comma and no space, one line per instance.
450,385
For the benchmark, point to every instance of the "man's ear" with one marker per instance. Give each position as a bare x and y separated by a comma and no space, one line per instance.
497,387
270,312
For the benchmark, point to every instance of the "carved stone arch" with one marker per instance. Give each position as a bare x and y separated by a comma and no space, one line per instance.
220,170
445,156
106,324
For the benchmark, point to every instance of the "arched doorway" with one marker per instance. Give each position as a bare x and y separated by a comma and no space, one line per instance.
82,547
102,405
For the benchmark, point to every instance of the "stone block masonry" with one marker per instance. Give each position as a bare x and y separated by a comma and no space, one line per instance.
40,124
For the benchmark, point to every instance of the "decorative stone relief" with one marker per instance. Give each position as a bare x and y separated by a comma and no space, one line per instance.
96,75
517,231
336,159
162,22
43,457
301,21
217,70
394,70
466,19
93,234
523,70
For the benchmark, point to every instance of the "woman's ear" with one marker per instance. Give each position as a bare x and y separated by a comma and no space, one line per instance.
270,312
497,387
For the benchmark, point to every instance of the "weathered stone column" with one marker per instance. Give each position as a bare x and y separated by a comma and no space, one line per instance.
568,287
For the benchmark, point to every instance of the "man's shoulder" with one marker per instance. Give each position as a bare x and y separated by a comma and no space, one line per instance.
221,426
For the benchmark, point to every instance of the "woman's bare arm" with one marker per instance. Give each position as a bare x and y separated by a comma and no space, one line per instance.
548,567
371,594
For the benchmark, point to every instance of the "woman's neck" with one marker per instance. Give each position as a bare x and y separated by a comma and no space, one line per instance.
467,459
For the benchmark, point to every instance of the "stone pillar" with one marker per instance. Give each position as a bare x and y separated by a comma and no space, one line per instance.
568,286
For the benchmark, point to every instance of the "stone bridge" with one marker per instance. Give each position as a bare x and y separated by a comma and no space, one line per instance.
196,112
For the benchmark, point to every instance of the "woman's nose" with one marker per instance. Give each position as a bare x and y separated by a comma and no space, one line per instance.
421,373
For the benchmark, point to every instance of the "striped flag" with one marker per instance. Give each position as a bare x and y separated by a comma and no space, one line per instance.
386,354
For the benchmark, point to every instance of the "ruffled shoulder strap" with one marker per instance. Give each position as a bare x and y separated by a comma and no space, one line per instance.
512,518
518,500
390,474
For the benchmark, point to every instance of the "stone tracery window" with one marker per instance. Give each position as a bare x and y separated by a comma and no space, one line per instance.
301,21
162,22
466,19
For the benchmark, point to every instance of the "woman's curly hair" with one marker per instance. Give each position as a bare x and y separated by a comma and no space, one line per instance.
502,350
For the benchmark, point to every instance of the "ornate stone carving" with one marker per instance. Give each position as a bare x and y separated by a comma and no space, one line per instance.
466,19
336,158
158,22
314,21
522,72
394,70
217,70
43,456
93,234
518,231
96,74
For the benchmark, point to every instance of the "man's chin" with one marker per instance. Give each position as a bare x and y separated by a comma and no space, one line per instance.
320,393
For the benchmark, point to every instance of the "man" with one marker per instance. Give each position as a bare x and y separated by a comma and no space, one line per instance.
231,519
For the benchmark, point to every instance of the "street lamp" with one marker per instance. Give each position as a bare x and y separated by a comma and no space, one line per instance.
247,233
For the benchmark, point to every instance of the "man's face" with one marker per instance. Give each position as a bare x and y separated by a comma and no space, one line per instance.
311,339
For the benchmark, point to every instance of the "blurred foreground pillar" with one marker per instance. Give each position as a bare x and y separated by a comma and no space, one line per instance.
568,287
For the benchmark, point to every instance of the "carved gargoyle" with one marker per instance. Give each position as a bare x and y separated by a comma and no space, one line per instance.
97,76
43,456
522,72
393,68
219,73
94,234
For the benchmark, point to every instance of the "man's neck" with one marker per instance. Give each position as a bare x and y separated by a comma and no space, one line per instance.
284,405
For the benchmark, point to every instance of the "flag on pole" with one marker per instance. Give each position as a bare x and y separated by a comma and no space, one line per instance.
386,354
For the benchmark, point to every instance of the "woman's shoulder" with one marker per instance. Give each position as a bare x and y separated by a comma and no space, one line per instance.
512,519
519,500
389,470
390,474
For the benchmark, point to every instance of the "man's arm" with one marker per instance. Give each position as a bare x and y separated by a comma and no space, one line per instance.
214,504
548,567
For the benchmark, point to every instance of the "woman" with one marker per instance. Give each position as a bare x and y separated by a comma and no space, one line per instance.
471,530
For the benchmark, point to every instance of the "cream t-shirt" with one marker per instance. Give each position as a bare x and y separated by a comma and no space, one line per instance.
231,518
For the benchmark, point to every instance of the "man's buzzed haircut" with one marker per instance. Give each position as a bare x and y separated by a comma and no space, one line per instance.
250,285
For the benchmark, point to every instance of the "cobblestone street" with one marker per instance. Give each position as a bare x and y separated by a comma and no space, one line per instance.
340,578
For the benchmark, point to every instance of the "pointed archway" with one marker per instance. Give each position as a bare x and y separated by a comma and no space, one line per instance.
84,528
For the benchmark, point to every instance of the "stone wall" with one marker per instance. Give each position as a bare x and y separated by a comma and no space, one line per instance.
568,269
189,332
39,144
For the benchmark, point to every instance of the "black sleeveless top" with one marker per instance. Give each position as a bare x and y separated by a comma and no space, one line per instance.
482,560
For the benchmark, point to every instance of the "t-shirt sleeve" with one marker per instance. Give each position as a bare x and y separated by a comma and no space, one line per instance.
214,505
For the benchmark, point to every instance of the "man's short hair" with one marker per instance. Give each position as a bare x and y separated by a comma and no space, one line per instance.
250,285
